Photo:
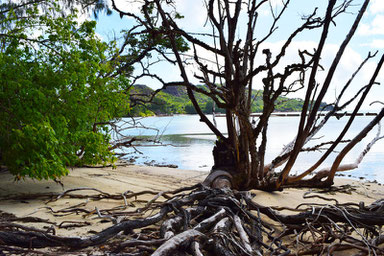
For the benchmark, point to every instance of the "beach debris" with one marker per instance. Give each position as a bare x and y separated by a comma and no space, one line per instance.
199,220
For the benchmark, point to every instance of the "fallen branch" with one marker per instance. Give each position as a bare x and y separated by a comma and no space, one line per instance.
220,222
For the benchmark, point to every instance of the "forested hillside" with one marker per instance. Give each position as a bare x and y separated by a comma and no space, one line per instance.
174,100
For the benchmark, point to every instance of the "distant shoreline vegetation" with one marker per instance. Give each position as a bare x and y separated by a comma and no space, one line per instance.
174,100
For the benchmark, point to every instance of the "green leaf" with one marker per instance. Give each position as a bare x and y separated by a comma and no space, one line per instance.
51,94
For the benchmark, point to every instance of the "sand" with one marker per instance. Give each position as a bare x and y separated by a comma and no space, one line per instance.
113,181
137,178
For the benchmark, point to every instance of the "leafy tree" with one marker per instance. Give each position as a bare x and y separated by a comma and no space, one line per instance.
189,109
166,102
201,220
58,90
242,63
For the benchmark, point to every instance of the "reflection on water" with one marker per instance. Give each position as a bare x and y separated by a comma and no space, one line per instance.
184,151
188,143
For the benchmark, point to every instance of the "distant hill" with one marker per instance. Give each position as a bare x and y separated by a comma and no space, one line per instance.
141,89
178,91
174,100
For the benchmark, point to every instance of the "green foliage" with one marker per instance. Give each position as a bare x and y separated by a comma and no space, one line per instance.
175,101
55,94
189,109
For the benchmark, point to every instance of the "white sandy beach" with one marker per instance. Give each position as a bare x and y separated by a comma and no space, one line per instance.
138,178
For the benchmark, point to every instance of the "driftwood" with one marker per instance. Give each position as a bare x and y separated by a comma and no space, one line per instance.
204,221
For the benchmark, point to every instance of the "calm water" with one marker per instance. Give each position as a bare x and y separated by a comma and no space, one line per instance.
188,143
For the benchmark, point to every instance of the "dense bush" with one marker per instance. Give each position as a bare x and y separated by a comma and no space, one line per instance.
55,94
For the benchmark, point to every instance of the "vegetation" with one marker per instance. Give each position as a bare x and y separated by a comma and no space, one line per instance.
174,100
243,62
219,216
56,92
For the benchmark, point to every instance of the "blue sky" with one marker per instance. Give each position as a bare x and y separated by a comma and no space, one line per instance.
369,37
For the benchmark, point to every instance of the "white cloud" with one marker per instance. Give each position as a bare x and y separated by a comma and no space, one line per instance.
376,27
364,29
133,6
276,3
100,37
378,44
347,66
377,6
375,44
194,13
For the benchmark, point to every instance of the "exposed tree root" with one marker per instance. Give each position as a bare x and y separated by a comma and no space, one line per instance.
202,221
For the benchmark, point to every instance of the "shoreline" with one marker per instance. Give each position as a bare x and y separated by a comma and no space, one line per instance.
274,114
124,176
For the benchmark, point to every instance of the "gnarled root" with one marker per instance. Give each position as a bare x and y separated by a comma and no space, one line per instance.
205,221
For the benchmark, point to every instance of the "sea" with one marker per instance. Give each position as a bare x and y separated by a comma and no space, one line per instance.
184,142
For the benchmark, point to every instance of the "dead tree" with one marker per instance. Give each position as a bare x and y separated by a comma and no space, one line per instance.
204,219
240,63
209,218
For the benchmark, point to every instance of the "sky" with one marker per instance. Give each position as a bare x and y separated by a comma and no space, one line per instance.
369,37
